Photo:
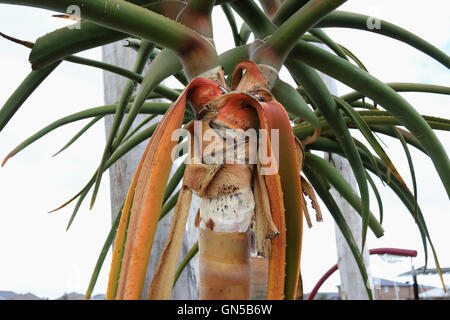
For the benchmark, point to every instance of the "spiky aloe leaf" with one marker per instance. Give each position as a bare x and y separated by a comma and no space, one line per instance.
23,91
367,133
409,138
164,65
353,57
139,64
275,49
359,21
294,103
169,205
332,175
254,17
101,258
322,36
287,9
403,87
65,41
379,123
361,145
174,181
361,81
377,196
232,22
319,94
149,107
129,18
79,134
244,33
411,166
187,258
139,126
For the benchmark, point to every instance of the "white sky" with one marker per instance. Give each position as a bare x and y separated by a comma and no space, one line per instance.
39,256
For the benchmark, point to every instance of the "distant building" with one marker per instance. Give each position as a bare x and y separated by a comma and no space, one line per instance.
435,294
385,289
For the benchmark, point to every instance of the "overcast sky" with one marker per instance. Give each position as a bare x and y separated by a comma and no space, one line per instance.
39,256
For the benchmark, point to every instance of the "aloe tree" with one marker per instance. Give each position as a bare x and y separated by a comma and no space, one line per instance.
238,90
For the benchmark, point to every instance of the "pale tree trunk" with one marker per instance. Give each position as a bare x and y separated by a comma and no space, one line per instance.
122,171
352,284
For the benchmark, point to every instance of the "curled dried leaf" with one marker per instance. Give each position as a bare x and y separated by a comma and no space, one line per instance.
264,225
306,212
308,190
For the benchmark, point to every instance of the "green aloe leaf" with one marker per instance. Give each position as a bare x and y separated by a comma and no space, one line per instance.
409,138
244,33
169,205
403,87
187,258
129,18
65,41
367,133
122,150
232,22
101,258
294,103
361,145
322,36
79,134
140,126
410,202
164,65
276,48
332,175
131,75
287,9
432,120
377,196
139,64
149,107
353,57
376,90
254,17
410,164
359,21
319,94
23,91
174,181
377,123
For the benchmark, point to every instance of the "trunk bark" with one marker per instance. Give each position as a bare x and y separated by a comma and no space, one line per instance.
121,174
224,265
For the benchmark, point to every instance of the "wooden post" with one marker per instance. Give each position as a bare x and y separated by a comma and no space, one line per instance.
352,285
